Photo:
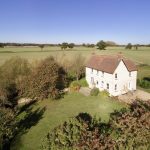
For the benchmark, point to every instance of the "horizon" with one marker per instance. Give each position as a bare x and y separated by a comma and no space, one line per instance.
86,21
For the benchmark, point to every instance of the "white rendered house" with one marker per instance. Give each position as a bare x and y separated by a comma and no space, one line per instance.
115,74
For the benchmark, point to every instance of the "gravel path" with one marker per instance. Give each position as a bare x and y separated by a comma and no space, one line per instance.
132,96
85,91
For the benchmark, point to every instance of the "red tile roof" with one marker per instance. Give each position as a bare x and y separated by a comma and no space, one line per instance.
109,63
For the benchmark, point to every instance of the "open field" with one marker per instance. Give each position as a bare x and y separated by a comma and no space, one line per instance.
140,56
47,114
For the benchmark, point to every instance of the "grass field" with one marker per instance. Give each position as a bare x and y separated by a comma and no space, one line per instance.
47,114
140,56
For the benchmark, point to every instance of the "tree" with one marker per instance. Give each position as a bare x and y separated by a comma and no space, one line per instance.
128,46
1,45
11,72
78,66
136,46
101,45
42,46
71,45
110,43
47,80
64,45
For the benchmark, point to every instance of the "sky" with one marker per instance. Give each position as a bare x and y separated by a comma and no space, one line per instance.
78,21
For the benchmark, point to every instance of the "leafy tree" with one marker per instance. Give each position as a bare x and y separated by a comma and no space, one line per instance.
64,45
136,46
101,45
1,45
47,80
11,72
42,46
78,66
110,43
129,46
71,45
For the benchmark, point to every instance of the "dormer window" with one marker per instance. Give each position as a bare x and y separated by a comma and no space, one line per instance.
129,74
116,76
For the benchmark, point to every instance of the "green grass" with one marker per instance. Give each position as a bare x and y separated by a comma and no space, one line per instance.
58,111
140,56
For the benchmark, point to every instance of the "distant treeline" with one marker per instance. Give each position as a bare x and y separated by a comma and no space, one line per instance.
108,43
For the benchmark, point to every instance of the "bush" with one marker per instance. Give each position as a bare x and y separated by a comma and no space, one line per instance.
8,126
83,82
94,92
144,83
104,93
75,86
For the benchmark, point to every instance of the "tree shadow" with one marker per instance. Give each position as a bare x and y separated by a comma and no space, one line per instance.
26,106
31,119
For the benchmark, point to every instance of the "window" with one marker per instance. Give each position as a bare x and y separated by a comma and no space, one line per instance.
97,82
115,87
91,70
129,74
107,86
97,72
116,76
102,73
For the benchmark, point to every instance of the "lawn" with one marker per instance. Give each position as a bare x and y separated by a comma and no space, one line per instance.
47,114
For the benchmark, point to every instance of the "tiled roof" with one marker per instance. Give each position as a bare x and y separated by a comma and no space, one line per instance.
109,63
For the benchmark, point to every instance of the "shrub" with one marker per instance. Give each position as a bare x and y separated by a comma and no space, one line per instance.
144,83
8,126
83,82
94,92
75,86
104,93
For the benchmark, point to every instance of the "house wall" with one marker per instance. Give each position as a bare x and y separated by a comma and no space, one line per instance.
124,82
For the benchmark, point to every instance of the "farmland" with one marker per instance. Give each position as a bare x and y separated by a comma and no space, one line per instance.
140,56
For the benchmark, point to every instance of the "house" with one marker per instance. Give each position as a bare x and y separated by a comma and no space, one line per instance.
116,74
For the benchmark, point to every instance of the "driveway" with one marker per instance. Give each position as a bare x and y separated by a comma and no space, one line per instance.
132,96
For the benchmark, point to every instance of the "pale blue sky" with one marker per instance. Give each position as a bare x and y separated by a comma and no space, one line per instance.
79,21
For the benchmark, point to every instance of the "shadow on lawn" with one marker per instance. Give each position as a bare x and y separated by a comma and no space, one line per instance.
31,118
